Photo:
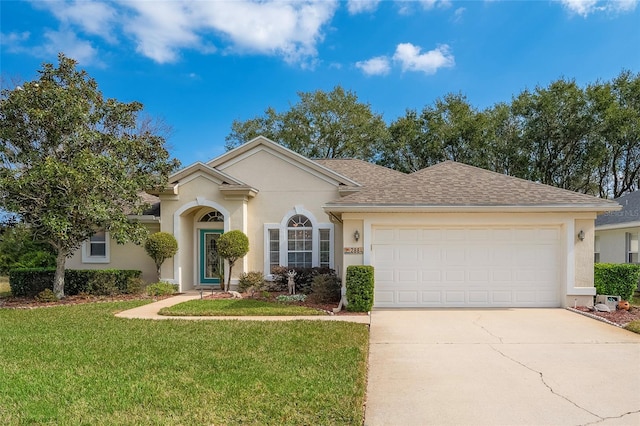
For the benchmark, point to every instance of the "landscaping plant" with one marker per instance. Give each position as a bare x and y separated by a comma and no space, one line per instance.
232,245
161,246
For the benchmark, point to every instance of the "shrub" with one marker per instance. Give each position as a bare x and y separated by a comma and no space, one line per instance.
616,279
325,288
251,280
28,282
286,298
47,295
135,286
103,285
161,246
359,284
303,279
161,289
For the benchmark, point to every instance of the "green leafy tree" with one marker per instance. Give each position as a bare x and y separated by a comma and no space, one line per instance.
18,249
232,245
449,129
615,112
321,125
73,162
161,246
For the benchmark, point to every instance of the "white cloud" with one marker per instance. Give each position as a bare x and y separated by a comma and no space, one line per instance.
93,17
375,66
362,6
585,8
13,42
288,29
162,29
406,6
411,59
67,42
457,14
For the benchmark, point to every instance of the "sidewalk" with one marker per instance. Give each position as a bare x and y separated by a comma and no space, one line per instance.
150,311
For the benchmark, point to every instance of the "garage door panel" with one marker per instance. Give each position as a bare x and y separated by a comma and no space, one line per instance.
467,266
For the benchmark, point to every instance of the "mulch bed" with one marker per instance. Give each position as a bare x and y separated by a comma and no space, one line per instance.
30,303
619,317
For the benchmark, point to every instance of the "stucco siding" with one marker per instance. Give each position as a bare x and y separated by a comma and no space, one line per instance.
126,256
613,245
584,252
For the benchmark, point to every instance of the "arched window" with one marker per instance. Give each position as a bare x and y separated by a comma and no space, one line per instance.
214,216
299,242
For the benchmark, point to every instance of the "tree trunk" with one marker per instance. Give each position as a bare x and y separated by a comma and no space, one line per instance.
58,281
228,286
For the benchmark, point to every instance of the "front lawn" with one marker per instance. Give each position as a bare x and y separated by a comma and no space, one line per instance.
80,365
236,307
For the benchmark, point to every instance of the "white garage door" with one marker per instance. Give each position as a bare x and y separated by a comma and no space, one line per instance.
466,266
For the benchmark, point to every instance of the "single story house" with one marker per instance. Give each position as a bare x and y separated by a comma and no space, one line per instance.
450,235
617,232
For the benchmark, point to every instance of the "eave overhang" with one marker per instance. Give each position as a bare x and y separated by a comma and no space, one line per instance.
403,208
635,224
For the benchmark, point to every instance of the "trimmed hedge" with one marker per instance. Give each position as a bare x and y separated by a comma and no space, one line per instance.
29,282
359,283
616,279
303,279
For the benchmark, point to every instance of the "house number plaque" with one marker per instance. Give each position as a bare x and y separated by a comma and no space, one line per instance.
353,250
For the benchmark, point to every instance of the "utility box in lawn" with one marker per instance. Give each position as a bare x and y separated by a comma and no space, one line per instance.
610,301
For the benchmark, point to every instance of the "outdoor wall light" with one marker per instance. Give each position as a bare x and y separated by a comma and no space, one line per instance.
581,235
356,235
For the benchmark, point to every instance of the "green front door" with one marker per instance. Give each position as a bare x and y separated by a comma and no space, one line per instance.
210,263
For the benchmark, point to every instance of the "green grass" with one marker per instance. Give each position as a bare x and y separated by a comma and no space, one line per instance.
81,365
5,289
634,326
236,307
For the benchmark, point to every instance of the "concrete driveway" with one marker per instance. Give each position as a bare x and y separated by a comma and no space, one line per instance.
500,367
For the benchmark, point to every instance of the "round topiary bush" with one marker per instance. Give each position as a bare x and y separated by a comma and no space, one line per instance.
161,246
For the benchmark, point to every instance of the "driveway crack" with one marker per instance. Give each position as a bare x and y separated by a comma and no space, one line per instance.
539,373
486,330
611,417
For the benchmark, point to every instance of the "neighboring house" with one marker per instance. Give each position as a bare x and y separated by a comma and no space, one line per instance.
448,235
617,232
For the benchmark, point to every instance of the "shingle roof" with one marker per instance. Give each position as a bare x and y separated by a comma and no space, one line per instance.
153,201
363,172
630,211
455,184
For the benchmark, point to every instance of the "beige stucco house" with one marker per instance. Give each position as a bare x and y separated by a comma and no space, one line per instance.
449,235
618,232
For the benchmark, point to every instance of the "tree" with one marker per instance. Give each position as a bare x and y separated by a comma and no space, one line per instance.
232,246
18,249
161,246
73,163
615,112
450,129
321,125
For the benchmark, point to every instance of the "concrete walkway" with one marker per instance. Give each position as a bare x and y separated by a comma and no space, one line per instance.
500,367
150,311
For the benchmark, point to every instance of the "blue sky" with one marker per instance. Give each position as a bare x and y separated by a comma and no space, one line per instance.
200,65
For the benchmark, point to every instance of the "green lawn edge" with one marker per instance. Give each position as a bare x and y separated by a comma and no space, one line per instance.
237,307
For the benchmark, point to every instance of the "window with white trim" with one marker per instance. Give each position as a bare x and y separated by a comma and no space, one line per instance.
298,241
274,249
596,250
632,247
96,248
